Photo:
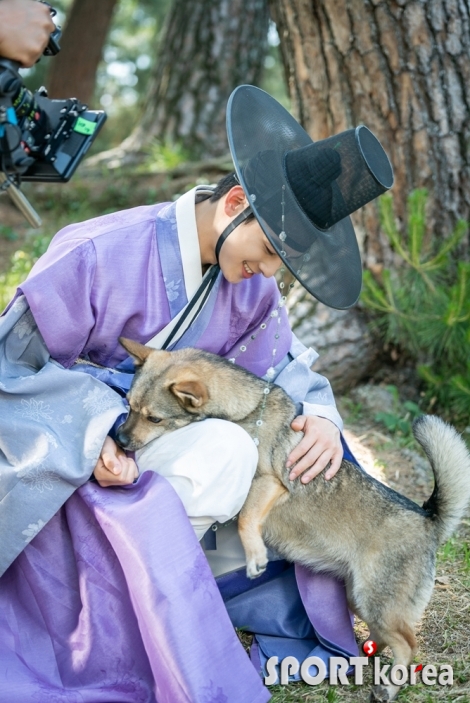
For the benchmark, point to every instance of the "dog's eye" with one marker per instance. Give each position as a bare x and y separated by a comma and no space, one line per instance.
154,419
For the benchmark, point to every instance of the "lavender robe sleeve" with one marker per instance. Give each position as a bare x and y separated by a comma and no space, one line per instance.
98,280
310,390
58,291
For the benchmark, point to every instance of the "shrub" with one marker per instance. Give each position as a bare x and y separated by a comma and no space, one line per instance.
21,264
423,306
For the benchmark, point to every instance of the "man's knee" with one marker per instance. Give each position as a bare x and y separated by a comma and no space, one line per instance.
238,446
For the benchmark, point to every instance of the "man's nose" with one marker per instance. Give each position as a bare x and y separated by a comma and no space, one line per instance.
269,268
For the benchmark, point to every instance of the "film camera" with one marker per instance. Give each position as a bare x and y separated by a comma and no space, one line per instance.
40,139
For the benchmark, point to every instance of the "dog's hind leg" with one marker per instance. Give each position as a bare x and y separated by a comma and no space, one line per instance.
401,638
264,493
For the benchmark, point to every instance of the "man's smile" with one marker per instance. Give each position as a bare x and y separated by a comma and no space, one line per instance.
247,271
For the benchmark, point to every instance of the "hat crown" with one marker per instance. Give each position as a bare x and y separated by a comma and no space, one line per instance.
334,177
324,165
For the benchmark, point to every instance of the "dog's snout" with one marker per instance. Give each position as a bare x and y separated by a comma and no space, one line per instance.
122,438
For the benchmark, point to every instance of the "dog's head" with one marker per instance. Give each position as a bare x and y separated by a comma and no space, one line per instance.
168,392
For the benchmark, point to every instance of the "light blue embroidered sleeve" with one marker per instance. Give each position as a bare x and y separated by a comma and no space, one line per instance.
309,390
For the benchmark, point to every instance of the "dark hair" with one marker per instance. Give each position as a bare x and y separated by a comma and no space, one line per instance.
222,188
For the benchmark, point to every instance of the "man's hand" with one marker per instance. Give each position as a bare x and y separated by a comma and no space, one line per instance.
25,28
114,468
321,444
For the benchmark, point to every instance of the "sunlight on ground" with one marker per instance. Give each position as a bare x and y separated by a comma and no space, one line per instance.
364,455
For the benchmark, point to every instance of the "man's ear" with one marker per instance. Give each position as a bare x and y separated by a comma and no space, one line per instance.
190,392
139,352
235,201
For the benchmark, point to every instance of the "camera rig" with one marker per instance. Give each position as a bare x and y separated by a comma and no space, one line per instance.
40,139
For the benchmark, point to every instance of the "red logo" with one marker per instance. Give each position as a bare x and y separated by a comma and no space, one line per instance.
369,647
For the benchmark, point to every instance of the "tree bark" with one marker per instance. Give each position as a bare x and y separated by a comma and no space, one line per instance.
400,67
73,70
341,338
207,48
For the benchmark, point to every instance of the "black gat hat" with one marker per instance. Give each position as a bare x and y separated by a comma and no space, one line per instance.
302,192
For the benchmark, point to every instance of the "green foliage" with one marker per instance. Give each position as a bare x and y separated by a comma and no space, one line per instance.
354,410
8,233
332,696
455,549
164,157
399,419
21,264
424,305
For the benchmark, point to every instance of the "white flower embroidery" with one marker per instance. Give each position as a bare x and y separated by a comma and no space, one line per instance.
32,530
172,289
290,367
26,379
98,401
52,440
25,325
35,410
40,480
67,419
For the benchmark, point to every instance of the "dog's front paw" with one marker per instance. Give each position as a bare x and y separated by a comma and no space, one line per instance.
256,566
379,694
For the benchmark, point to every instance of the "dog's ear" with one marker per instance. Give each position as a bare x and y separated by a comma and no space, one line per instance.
139,352
190,392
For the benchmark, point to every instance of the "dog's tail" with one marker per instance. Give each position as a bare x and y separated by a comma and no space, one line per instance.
450,461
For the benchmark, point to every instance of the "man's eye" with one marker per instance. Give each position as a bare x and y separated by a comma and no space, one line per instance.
154,419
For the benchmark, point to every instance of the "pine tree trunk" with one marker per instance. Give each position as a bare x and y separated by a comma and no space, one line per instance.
73,71
400,67
341,338
207,48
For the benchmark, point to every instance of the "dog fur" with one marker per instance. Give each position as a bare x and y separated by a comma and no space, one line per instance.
379,542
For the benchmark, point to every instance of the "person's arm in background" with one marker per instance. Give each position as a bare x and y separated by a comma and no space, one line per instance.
25,28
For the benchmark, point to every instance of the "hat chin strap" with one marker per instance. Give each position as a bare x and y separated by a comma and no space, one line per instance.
237,221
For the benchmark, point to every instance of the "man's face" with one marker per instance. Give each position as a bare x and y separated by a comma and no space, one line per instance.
247,252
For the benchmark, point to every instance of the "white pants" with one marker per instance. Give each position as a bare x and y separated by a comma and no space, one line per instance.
210,464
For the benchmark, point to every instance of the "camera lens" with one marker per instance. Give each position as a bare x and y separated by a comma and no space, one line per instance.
26,108
24,103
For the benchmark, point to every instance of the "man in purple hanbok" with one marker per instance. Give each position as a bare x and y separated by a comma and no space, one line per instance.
106,593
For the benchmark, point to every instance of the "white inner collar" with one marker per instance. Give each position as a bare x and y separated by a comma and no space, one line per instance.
188,239
190,257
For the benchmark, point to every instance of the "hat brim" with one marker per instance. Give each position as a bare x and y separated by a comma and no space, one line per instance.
326,262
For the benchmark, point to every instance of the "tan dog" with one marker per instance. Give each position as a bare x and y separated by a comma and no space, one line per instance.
380,543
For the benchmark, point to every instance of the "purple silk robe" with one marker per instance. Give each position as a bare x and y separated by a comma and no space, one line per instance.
114,600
